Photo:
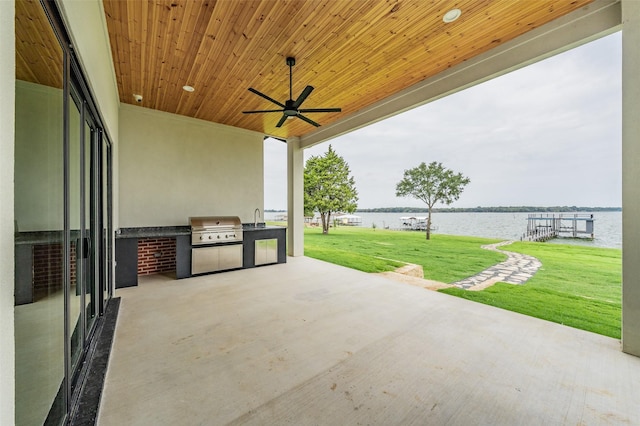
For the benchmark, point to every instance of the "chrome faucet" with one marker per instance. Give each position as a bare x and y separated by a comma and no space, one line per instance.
256,215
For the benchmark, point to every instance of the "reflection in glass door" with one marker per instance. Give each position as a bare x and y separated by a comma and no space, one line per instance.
39,232
63,223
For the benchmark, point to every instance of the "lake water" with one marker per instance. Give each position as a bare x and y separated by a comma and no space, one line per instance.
508,226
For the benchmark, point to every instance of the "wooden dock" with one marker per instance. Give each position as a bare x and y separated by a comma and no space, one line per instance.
543,227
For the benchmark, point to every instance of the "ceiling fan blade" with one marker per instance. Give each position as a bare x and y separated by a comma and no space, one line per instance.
321,110
282,120
308,120
251,89
260,111
306,92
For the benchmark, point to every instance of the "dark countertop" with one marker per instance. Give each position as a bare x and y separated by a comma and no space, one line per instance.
248,227
172,231
48,237
153,232
42,237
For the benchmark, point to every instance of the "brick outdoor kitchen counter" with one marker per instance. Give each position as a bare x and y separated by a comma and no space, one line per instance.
39,259
150,250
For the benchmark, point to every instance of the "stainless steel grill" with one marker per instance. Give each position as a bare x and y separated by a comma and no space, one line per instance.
216,243
215,230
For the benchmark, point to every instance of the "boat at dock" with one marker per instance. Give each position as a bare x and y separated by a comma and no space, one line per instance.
348,220
415,223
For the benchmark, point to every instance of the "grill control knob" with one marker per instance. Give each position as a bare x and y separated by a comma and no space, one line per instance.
218,236
201,237
209,236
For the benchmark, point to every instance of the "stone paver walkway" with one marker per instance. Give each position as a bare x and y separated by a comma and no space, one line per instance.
517,269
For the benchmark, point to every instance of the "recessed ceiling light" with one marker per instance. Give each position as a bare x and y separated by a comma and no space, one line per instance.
451,15
188,88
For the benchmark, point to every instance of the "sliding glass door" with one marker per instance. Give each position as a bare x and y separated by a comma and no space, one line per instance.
83,188
39,207
106,272
63,219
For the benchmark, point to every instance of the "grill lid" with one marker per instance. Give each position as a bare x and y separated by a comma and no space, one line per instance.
203,223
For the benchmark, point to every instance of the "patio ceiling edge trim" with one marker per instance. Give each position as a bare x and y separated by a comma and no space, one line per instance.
600,18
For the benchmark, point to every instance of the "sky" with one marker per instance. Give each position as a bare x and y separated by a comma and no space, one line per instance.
545,135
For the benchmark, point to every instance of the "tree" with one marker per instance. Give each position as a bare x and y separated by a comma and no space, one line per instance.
431,184
328,188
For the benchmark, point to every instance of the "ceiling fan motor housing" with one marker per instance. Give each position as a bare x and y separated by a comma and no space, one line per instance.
291,108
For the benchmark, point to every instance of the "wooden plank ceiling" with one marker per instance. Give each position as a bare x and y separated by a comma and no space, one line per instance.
38,52
354,53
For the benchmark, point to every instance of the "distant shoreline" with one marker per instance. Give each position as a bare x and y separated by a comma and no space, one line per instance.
501,209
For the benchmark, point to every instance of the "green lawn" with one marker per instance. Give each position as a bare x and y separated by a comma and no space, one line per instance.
576,286
443,258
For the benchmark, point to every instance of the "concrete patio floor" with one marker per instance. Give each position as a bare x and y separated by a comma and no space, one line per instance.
310,343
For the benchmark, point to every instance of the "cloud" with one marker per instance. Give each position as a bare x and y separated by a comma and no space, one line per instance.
547,134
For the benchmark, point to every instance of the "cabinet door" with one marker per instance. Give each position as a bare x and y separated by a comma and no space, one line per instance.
204,259
266,251
272,250
230,257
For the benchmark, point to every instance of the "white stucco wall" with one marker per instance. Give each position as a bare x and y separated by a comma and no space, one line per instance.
173,167
38,154
7,131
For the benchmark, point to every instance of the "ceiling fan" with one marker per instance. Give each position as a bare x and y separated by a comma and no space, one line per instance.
291,108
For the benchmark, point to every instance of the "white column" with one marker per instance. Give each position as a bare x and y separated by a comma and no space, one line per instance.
631,177
7,141
295,197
